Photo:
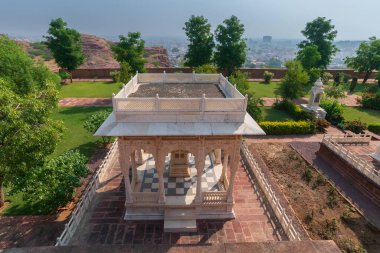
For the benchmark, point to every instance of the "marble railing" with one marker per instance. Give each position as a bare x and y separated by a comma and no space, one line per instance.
86,198
280,212
363,166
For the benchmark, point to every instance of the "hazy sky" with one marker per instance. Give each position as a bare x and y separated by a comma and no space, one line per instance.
354,19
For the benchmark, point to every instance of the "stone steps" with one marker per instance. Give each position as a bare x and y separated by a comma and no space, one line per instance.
180,220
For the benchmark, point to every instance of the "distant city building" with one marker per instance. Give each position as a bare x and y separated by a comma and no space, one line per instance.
267,39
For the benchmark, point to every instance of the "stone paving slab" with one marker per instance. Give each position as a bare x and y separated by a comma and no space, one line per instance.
264,247
105,223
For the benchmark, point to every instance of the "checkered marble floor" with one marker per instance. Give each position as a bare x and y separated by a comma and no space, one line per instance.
175,186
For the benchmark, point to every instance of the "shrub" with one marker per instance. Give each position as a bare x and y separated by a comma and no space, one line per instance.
268,76
335,92
326,77
52,185
353,84
287,127
346,77
321,125
371,100
374,128
115,75
332,198
64,75
378,77
348,246
254,107
308,175
240,79
294,83
294,110
319,181
93,122
330,229
355,126
206,68
334,111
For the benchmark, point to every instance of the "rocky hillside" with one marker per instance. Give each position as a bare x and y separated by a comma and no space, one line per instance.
98,54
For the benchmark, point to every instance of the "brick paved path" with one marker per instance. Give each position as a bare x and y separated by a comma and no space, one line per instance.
105,223
66,102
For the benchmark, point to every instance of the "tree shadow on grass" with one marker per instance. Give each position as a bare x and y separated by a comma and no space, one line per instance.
84,109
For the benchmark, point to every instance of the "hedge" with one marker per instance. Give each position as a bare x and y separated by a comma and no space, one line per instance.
287,127
374,128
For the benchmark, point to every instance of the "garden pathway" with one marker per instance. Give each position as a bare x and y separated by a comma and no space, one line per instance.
350,100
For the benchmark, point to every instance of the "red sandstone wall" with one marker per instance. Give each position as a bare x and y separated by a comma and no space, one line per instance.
253,73
362,183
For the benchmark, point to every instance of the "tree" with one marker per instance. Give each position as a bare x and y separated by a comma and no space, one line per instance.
294,83
65,43
130,49
28,94
334,92
367,58
231,48
52,185
320,33
240,79
309,57
201,41
206,69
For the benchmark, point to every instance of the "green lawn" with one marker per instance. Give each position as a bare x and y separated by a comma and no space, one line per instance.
362,114
265,90
75,136
89,90
270,114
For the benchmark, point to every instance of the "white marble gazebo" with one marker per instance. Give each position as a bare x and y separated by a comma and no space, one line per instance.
175,130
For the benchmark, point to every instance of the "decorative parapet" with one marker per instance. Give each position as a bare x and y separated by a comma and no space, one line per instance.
232,108
270,195
334,143
86,198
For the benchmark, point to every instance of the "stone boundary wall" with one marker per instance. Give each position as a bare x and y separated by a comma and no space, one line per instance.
253,73
351,174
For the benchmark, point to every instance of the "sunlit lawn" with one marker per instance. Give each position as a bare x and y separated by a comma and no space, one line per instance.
362,114
265,90
74,137
89,89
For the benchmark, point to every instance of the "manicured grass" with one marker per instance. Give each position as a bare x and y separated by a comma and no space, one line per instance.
270,114
74,137
362,114
89,90
265,90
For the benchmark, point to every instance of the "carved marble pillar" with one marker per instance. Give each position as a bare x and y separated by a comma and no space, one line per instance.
124,166
218,156
140,157
200,165
234,163
224,169
135,178
160,167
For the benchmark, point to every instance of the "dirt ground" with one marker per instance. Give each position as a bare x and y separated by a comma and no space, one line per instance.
323,212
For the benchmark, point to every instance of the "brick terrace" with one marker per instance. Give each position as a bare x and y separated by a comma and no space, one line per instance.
104,223
364,151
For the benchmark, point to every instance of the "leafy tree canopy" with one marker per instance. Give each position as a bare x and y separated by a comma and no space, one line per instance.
231,48
207,68
65,43
294,83
309,57
130,49
367,57
321,33
201,41
27,135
